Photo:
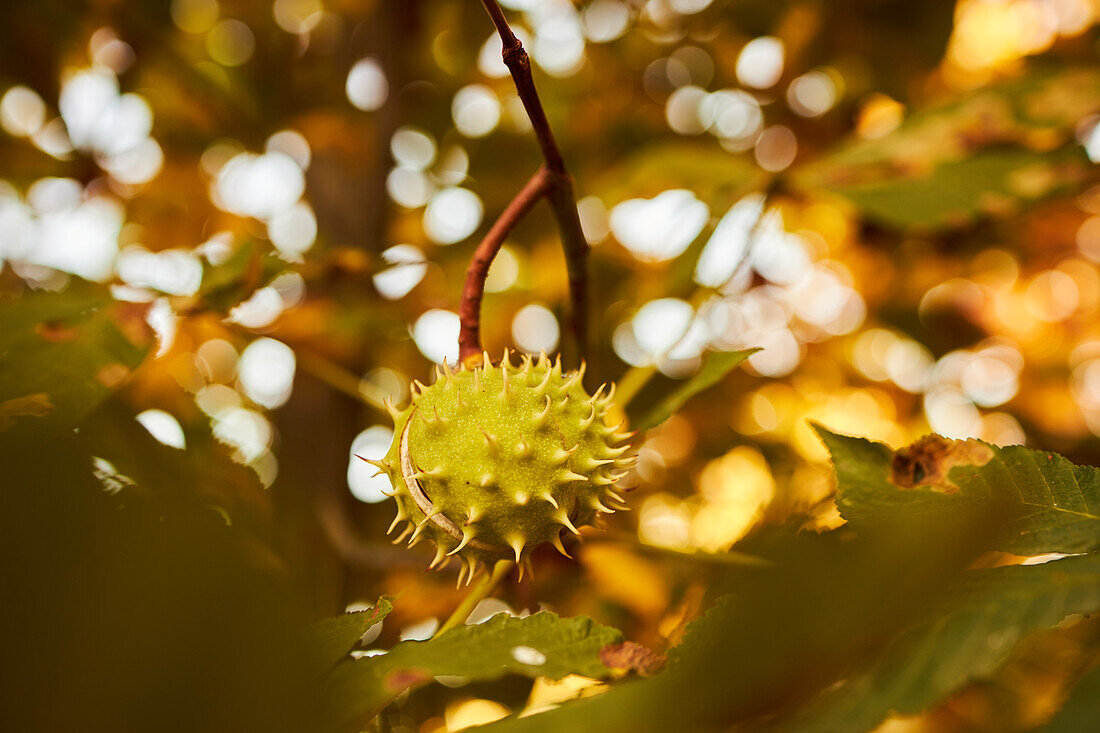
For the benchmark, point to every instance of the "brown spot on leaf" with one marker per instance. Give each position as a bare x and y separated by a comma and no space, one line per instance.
56,332
32,405
402,679
630,657
130,319
112,375
928,461
375,614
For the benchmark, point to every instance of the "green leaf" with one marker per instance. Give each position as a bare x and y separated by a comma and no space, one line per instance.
133,581
333,638
220,283
987,154
990,183
966,638
716,365
1082,709
234,281
541,645
1060,501
203,472
63,353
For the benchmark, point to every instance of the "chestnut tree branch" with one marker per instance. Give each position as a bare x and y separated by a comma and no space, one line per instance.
561,196
469,311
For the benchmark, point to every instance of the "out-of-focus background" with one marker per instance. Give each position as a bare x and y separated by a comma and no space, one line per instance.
233,228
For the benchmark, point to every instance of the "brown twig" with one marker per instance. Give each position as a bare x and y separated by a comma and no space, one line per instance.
469,311
561,196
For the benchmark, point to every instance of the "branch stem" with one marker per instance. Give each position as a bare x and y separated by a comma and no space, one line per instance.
469,311
484,587
561,195
519,64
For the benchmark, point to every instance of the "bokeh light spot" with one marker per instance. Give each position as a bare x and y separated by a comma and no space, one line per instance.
230,43
267,372
436,335
453,214
366,86
535,329
412,148
812,94
760,63
297,16
659,228
475,110
164,427
22,111
195,16
363,482
407,268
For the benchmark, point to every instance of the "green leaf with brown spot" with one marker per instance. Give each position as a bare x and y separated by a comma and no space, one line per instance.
540,645
63,353
1059,501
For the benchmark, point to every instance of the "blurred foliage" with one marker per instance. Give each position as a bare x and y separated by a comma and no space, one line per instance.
715,366
792,630
967,637
984,155
1079,711
230,230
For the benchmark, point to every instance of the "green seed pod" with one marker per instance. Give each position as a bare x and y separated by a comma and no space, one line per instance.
490,462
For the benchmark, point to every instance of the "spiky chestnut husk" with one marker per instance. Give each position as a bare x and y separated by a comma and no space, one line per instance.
490,462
